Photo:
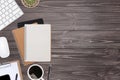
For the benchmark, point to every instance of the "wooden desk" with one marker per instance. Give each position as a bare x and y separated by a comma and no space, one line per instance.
85,38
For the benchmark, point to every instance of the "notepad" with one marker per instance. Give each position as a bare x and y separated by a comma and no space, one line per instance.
19,36
11,69
19,39
37,44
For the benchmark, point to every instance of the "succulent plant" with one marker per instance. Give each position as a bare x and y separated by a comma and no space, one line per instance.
30,3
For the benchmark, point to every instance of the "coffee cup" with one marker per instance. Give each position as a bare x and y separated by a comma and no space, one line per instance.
35,72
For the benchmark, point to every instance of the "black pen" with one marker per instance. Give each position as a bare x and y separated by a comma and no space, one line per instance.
49,71
16,76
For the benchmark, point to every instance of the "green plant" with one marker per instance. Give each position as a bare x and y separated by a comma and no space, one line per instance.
30,2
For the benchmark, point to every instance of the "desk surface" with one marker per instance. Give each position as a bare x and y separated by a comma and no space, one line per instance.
85,38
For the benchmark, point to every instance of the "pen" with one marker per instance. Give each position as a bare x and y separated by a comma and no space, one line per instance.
49,70
16,76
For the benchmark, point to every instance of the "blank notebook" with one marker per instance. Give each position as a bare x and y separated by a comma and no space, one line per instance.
19,39
37,44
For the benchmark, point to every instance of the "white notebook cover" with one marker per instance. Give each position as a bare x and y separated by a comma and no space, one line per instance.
37,43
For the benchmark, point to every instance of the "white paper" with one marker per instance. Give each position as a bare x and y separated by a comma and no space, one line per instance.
38,43
10,69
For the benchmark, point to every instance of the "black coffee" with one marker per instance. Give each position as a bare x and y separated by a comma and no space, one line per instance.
5,77
35,72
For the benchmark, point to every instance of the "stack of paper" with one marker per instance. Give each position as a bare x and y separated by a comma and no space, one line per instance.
34,42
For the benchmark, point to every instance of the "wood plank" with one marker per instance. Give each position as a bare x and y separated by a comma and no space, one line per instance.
73,9
76,3
79,39
104,56
74,21
74,6
85,39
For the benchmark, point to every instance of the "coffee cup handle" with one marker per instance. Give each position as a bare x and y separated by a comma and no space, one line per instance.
42,79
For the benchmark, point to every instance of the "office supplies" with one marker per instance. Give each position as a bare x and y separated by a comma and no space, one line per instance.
37,43
11,69
4,48
9,12
5,77
39,21
16,76
18,35
35,72
49,71
19,39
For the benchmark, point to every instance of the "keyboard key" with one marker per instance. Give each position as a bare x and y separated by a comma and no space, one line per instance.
10,5
6,23
7,17
10,20
13,17
3,19
2,1
3,15
0,13
14,7
0,18
6,8
9,10
0,22
6,13
6,3
13,3
20,13
10,15
1,26
15,12
2,6
3,10
9,1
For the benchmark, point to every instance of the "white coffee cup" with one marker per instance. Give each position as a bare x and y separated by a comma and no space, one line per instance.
35,72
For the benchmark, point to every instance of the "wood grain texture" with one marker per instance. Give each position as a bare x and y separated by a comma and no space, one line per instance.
85,38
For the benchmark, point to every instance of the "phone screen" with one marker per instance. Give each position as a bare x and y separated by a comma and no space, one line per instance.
5,77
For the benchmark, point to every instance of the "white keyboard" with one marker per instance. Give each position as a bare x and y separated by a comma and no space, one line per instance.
9,12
